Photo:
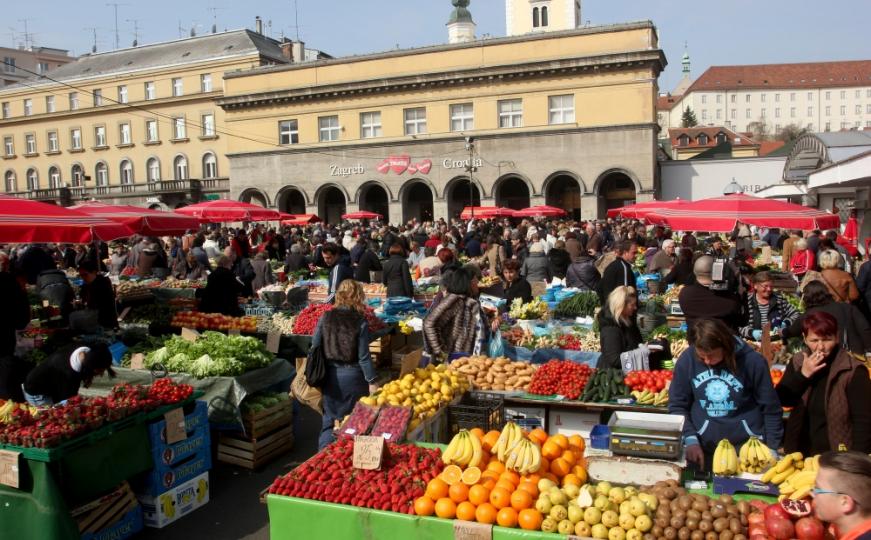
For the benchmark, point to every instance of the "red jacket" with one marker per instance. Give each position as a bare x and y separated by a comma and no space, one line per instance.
802,261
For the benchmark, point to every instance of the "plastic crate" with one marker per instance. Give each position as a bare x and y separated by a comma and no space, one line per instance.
477,409
600,437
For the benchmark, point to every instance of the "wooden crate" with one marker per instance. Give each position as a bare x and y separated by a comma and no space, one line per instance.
382,350
266,421
105,511
255,453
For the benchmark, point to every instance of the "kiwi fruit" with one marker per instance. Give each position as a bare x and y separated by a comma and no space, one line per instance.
661,522
739,536
670,533
706,526
735,526
743,508
718,511
649,536
692,523
676,522
721,524
695,514
699,506
712,536
685,502
727,535
684,533
706,516
656,531
726,499
697,535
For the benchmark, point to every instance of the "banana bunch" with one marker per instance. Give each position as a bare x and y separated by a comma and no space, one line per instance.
524,458
508,439
7,408
725,459
464,450
646,397
754,456
794,474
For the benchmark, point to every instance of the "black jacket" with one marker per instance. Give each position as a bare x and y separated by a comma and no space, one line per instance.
99,296
221,294
338,273
582,274
699,302
559,262
54,378
368,263
397,277
13,372
615,339
518,289
617,274
850,320
294,262
681,274
15,313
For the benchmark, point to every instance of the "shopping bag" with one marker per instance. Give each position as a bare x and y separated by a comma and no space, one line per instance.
302,392
497,346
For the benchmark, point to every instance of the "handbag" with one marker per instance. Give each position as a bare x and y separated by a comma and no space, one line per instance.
303,392
316,367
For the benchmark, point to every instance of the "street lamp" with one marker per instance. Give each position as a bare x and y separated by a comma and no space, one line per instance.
732,188
470,146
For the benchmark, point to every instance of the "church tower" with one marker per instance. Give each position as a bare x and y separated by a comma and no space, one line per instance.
527,16
461,27
686,81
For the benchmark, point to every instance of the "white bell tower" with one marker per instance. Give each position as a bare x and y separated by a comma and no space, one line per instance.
527,16
461,27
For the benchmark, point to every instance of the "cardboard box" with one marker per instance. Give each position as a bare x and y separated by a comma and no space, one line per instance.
198,418
130,524
168,506
198,441
406,354
527,418
569,422
163,477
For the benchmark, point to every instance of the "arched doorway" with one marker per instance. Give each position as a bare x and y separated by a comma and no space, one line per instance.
292,201
460,194
417,202
564,191
373,198
254,196
331,204
616,189
512,192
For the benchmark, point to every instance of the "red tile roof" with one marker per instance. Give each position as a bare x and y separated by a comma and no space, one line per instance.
805,75
766,147
666,102
735,139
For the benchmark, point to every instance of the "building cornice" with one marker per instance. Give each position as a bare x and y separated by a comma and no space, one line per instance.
654,58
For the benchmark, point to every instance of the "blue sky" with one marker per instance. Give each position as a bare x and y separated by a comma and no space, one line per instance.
718,33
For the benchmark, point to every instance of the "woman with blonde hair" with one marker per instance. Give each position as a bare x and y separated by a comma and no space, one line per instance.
343,335
618,328
841,284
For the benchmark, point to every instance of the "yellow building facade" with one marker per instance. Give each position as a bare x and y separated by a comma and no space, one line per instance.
565,118
135,126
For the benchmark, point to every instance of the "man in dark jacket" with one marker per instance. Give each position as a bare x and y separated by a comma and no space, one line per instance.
222,290
15,313
473,246
559,259
339,268
367,263
60,376
582,273
619,272
97,294
295,260
698,301
33,261
396,274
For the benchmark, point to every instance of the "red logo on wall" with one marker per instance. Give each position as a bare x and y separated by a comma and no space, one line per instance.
401,164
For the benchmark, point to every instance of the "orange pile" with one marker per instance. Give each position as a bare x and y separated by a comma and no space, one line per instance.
499,496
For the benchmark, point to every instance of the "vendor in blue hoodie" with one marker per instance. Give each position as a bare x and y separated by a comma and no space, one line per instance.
723,389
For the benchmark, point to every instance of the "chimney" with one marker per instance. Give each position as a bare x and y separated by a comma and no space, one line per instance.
294,51
258,24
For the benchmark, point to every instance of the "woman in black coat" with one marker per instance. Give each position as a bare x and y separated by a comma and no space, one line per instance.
816,297
222,290
368,263
618,333
559,259
682,272
396,274
97,294
59,376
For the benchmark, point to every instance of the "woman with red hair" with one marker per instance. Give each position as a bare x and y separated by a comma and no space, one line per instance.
829,390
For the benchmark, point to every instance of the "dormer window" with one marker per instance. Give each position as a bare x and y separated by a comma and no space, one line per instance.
703,139
539,17
684,140
721,138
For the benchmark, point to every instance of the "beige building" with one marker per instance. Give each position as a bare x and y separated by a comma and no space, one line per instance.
138,125
565,118
22,63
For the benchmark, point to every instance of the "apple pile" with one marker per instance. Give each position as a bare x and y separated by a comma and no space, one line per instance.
329,476
213,321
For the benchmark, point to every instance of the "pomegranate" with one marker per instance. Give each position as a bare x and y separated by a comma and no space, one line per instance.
779,528
796,509
809,528
776,510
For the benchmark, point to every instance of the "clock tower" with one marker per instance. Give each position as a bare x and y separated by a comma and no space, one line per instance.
528,16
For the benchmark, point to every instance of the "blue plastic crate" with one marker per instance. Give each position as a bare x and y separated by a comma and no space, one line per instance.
162,478
117,349
600,437
196,419
198,440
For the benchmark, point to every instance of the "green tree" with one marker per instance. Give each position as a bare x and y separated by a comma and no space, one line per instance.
790,133
688,119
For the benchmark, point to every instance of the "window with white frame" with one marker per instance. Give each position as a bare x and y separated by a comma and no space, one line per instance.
30,143
843,110
53,177
828,110
762,98
777,128
206,82
868,109
6,110
561,109
719,114
100,136
732,98
510,113
828,95
8,146
78,175
843,94
74,100
180,168
704,99
42,67
810,111
370,124
53,145
101,174
746,113
868,93
777,112
97,96
792,112
858,109
32,179
149,90
126,172
703,139
777,98
207,121
762,113
328,128
28,107
49,104
153,169
719,98
828,126
810,96
177,87
746,98
704,114
721,138
124,133
179,130
9,64
415,121
684,140
9,182
210,165
462,117
151,134
76,139
122,93
792,96
288,132
733,114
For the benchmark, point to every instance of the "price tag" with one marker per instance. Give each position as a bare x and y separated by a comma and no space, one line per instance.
137,361
45,303
368,452
124,313
175,427
189,334
9,468
234,332
469,530
273,340
387,436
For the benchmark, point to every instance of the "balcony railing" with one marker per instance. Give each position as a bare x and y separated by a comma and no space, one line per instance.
78,193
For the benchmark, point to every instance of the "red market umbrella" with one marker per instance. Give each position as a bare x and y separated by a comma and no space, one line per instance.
720,214
24,221
225,210
300,219
141,220
540,211
486,212
362,215
640,210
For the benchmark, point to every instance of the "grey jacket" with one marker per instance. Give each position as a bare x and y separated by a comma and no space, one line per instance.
536,267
